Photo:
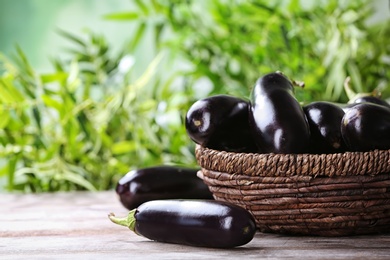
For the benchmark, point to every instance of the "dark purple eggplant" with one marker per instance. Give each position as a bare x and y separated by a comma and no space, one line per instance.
325,127
366,127
277,119
370,99
160,182
365,99
203,223
220,122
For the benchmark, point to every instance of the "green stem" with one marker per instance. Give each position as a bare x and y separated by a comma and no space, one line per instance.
128,221
352,95
348,90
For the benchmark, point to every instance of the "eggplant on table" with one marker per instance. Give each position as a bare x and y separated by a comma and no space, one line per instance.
160,182
203,223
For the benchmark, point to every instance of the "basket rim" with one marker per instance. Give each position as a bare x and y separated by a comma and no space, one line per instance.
272,165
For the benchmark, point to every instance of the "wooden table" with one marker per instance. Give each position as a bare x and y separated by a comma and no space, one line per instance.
75,226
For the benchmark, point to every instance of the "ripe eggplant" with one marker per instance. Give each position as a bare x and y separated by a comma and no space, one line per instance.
220,122
325,127
203,223
366,127
365,99
277,120
370,99
160,182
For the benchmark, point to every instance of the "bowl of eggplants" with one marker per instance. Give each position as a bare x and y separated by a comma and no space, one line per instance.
317,168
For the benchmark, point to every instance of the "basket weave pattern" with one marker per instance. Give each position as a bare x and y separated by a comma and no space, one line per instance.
304,194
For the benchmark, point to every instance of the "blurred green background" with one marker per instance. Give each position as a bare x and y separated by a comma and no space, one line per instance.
90,89
33,25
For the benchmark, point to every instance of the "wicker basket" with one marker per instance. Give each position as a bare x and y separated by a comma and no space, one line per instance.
304,194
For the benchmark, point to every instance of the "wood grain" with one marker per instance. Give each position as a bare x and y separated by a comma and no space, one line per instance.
75,226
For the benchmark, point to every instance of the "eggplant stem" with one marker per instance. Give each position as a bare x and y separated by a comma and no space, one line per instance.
352,95
295,83
128,221
348,89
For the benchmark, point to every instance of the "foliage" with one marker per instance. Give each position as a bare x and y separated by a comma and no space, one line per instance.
93,118
233,42
87,123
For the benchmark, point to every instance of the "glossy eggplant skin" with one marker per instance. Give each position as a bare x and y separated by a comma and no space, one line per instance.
195,222
366,127
220,122
160,182
371,99
324,119
277,119
365,99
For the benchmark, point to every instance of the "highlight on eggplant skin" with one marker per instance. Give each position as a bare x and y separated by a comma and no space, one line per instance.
160,182
371,99
364,99
201,223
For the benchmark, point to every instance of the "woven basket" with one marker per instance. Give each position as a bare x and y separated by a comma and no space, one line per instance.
304,194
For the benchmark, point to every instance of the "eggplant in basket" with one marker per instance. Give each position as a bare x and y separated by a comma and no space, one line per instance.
220,122
277,119
366,127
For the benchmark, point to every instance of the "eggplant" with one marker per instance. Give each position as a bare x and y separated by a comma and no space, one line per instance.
202,223
220,122
364,99
370,99
160,182
324,119
366,127
277,120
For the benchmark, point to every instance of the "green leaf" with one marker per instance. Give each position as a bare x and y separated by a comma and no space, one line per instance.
72,37
5,96
294,6
158,29
149,72
53,77
142,6
12,162
4,117
7,82
123,16
77,179
51,102
137,36
354,73
25,64
123,147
